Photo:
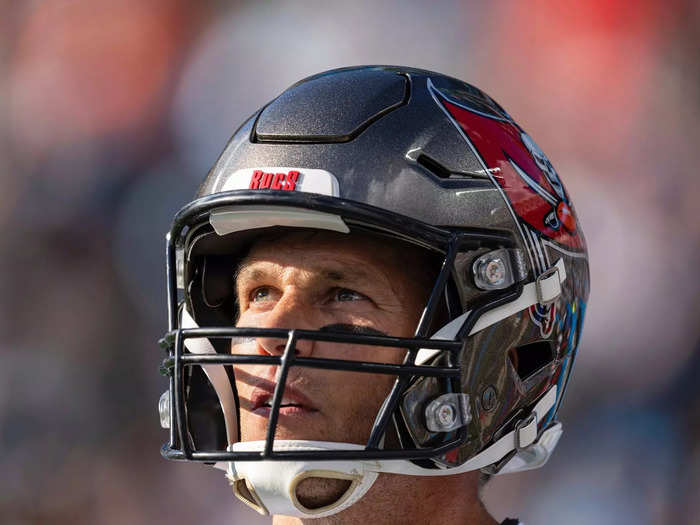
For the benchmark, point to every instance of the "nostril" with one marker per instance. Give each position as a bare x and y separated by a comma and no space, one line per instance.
281,348
276,347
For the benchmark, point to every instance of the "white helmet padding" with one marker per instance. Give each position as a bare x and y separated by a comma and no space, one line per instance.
241,218
217,377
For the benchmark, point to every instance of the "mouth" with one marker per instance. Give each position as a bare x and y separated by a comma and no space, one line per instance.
293,403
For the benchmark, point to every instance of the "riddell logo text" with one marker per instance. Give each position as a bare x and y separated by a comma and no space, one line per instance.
274,181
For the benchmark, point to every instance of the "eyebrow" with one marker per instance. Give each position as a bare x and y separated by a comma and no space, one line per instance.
244,269
247,270
342,275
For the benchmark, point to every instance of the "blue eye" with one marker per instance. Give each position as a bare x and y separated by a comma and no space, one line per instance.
343,294
260,294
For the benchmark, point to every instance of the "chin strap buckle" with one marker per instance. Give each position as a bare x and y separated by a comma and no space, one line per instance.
525,432
548,285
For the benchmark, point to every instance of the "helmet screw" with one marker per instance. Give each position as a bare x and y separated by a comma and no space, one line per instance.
447,412
446,415
495,272
488,398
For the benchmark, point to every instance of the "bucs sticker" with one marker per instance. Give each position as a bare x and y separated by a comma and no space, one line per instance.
283,179
525,175
261,180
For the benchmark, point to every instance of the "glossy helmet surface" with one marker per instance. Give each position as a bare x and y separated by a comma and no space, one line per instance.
425,159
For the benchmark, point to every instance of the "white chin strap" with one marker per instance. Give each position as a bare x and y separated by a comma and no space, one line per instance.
270,487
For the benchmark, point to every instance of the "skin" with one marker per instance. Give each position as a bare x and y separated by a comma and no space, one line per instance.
316,280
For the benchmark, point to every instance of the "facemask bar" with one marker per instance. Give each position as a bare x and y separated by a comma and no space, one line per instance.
403,381
179,447
365,215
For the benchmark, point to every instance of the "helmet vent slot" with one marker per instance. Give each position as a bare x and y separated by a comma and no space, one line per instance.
433,166
529,359
443,172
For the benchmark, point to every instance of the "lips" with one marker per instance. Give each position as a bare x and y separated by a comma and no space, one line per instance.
293,401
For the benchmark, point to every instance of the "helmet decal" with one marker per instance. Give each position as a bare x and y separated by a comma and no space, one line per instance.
544,164
525,174
543,315
261,180
283,179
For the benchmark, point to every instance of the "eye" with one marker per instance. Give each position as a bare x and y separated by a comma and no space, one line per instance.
344,294
260,294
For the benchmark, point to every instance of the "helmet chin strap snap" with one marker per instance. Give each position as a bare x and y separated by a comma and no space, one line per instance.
270,487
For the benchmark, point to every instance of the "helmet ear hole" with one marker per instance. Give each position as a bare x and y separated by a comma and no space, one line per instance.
529,359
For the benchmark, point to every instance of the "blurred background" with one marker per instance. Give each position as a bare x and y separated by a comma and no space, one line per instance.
111,113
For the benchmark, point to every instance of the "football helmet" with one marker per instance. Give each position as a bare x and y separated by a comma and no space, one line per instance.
421,158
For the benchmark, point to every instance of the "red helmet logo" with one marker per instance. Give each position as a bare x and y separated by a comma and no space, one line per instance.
518,166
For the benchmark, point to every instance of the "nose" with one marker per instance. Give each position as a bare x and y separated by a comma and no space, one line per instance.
292,314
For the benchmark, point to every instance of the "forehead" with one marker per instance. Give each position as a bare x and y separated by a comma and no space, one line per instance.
308,245
358,254
337,256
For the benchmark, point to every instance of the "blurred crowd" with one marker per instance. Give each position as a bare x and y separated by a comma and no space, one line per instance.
111,113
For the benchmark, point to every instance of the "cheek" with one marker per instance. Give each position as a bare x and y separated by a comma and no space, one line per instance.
401,323
357,404
353,352
244,377
246,318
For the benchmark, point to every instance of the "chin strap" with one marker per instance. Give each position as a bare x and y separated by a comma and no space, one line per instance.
270,487
537,454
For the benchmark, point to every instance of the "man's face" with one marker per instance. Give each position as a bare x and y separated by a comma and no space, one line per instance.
333,282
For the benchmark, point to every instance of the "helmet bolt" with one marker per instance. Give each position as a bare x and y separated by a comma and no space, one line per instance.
488,398
495,272
447,412
446,415
497,269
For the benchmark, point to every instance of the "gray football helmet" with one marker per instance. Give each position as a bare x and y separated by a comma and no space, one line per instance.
421,158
